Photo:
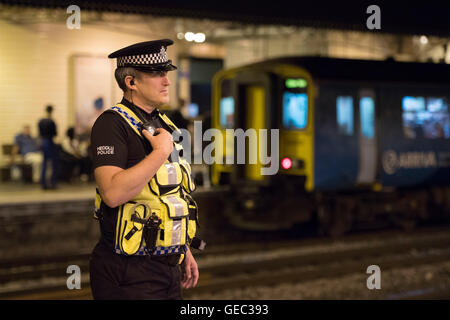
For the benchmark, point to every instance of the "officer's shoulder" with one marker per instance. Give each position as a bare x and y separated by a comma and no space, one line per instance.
109,118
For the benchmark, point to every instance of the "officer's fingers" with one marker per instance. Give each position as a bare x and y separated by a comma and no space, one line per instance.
189,275
164,132
187,269
147,135
195,276
160,131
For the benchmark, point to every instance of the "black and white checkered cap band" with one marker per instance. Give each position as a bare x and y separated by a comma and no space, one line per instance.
143,59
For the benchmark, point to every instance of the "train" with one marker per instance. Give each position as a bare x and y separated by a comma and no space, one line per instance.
359,142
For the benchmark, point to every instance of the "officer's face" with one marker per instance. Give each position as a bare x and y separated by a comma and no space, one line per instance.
154,87
26,130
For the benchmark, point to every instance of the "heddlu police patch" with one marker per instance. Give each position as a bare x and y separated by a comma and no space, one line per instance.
101,150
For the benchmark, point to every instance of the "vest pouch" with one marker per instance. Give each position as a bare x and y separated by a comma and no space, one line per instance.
188,182
193,218
97,205
129,228
167,179
174,213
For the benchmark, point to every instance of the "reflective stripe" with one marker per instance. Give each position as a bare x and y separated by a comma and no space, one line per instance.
177,205
176,224
176,231
169,250
171,173
169,122
159,251
135,123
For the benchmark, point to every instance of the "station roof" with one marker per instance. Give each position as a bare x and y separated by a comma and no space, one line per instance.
370,70
413,18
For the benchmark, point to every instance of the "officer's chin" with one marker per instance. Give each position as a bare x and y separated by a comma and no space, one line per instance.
165,99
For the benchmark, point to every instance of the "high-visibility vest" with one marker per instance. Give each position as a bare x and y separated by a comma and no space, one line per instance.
165,196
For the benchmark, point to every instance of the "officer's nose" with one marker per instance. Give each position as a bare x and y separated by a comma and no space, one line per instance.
166,80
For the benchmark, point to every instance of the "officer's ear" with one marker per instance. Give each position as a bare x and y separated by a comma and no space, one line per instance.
129,82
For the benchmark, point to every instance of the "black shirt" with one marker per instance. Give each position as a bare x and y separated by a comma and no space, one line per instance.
178,119
47,128
115,143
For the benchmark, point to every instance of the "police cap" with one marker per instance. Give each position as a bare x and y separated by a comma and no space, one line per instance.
145,56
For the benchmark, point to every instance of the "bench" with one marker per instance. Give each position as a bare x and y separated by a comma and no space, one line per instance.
6,168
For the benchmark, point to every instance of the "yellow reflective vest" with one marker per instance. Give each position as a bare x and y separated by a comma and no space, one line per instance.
166,196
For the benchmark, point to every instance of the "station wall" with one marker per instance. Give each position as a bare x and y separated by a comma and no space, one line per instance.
36,62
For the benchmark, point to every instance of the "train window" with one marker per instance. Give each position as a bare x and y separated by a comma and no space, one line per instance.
192,110
227,112
367,114
295,110
425,117
344,115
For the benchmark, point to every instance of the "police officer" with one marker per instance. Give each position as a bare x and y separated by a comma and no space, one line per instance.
125,159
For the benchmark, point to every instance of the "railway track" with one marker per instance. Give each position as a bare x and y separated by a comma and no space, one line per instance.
317,266
227,268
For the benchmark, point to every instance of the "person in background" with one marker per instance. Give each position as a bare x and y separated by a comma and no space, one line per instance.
28,148
177,115
75,155
47,131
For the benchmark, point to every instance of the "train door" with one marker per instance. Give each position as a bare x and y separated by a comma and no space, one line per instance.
251,116
367,138
255,119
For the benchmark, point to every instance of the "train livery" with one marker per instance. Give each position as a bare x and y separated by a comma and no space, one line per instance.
359,141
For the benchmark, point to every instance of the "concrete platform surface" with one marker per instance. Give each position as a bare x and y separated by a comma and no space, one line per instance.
17,193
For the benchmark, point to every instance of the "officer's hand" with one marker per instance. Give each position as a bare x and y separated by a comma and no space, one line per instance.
162,141
189,271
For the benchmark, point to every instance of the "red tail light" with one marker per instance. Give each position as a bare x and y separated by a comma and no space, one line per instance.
286,163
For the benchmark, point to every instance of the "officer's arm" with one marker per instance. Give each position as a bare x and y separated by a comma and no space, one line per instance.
117,185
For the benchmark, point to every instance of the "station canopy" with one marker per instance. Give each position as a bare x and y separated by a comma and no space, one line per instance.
398,17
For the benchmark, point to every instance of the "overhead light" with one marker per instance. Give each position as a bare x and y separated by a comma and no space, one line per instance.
423,39
199,37
180,35
189,36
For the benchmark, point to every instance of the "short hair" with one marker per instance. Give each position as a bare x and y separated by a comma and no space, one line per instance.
123,72
49,109
70,133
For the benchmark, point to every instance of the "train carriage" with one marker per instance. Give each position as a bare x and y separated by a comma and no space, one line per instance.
358,140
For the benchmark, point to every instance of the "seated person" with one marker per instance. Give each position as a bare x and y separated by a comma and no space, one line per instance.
74,155
28,148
